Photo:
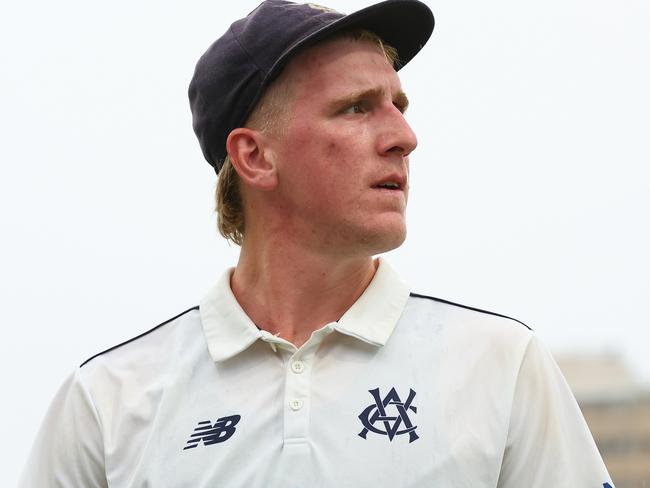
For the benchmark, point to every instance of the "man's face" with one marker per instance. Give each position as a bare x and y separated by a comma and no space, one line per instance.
343,154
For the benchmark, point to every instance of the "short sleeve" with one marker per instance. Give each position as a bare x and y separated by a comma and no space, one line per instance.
549,443
68,451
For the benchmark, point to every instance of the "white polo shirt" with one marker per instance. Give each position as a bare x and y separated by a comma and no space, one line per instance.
402,391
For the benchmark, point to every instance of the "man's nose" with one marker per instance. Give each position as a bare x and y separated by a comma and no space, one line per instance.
396,137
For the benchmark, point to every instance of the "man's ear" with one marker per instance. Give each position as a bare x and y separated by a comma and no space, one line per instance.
250,159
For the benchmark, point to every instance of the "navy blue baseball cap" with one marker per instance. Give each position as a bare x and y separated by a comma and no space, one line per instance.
232,74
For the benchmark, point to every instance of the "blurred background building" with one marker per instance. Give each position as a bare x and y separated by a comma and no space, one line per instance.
617,409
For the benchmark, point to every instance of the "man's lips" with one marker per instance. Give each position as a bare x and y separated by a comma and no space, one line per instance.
394,182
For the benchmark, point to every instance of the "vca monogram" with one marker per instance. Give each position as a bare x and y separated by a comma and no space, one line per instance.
389,415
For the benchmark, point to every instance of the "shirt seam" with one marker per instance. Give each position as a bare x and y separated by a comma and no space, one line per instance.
512,401
139,336
98,419
467,307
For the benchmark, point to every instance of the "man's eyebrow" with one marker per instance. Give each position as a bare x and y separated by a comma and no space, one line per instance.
400,100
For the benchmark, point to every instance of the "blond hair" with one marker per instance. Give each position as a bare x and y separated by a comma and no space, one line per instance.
268,116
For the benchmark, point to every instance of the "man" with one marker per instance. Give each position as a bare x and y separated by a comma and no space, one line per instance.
310,363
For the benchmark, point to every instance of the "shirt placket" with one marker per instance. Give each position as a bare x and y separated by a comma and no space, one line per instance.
298,366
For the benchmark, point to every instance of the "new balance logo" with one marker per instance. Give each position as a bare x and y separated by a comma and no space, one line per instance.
221,431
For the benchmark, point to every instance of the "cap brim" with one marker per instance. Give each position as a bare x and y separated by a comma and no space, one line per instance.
405,25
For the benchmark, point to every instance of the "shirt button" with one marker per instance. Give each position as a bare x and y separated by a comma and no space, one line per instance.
296,404
297,367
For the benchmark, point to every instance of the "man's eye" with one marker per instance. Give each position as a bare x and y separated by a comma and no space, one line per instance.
355,108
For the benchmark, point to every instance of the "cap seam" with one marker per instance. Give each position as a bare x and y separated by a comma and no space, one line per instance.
250,58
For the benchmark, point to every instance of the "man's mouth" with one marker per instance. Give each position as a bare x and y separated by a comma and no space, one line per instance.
389,185
392,181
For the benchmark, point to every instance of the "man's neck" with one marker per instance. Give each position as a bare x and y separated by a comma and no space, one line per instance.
291,293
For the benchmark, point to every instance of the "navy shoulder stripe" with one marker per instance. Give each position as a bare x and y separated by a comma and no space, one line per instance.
139,336
417,295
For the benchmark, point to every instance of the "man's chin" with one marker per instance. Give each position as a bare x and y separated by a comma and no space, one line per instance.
392,244
386,239
369,239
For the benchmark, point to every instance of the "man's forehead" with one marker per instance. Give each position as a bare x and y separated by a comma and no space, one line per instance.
342,44
343,58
